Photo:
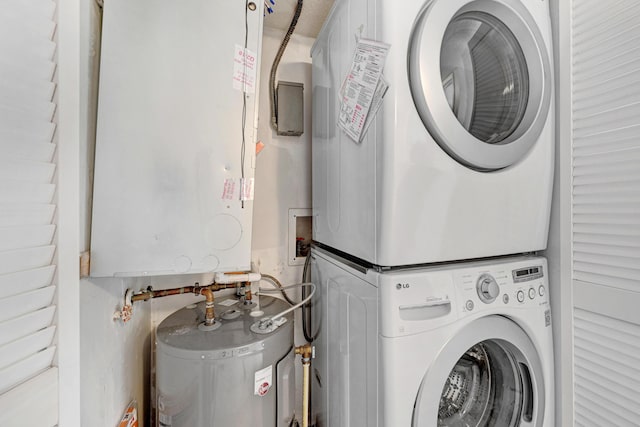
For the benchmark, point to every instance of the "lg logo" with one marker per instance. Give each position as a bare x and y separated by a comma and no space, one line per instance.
402,286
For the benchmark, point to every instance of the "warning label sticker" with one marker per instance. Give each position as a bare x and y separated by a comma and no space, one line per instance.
263,380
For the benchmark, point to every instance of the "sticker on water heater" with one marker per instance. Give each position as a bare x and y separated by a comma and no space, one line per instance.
244,70
229,189
263,380
246,188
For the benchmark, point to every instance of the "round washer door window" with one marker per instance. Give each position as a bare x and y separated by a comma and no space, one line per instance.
489,374
480,78
486,387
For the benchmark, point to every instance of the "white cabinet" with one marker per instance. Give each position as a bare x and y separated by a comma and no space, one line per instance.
175,129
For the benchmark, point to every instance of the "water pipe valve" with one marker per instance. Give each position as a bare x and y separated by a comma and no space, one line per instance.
126,312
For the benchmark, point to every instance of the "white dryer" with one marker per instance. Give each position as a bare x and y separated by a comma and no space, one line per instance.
468,344
458,163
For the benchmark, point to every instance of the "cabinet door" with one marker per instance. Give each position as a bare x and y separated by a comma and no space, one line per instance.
175,136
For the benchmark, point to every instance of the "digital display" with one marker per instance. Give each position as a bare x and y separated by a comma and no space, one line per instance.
526,274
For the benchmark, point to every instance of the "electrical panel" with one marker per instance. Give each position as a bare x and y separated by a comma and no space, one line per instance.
290,108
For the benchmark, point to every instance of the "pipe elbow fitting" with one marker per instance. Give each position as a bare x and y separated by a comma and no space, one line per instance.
209,316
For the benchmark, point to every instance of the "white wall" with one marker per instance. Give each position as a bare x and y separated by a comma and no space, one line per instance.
69,334
114,357
283,168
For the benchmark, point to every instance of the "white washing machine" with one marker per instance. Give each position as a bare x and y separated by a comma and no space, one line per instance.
467,344
458,162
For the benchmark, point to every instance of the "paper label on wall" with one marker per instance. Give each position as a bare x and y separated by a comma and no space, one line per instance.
246,188
263,380
361,86
229,189
244,70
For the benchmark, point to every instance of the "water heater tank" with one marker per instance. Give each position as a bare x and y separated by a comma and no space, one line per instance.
229,376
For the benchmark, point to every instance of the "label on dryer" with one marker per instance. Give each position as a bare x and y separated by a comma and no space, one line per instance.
362,88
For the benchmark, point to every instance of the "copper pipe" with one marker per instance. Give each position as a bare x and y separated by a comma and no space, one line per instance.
218,287
147,295
247,295
209,316
206,291
306,351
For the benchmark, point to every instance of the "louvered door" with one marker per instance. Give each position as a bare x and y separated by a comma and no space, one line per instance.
606,211
28,383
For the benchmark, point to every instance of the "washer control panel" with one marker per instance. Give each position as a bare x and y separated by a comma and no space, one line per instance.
521,283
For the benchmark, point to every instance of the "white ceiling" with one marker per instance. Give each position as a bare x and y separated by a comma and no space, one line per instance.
313,15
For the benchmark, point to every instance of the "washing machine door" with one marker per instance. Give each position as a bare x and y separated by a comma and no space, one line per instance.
489,374
481,79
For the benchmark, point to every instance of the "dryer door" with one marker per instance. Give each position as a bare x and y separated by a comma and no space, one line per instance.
489,374
481,79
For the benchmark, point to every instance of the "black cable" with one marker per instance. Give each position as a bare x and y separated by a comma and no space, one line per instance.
306,308
244,102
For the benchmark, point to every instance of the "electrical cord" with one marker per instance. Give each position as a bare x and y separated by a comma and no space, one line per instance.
306,308
280,287
276,62
271,319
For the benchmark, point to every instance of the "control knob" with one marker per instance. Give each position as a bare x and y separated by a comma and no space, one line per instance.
488,289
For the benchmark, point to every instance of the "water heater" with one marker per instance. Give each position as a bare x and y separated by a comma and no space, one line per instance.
228,376
175,138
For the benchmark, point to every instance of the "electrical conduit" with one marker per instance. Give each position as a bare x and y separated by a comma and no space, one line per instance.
276,62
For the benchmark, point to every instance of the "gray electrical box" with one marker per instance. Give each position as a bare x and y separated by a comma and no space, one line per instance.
290,108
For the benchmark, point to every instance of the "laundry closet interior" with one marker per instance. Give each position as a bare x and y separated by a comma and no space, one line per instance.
321,213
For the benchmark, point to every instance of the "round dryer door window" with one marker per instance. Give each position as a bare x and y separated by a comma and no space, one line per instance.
481,80
495,380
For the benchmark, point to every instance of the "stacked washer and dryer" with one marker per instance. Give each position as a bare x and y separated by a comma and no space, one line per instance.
433,307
